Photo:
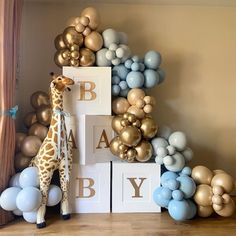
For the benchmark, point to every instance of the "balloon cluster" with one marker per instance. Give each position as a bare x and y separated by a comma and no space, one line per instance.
23,196
170,149
37,122
175,193
77,45
137,73
212,193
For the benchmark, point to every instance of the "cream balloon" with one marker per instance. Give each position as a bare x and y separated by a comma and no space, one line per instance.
224,180
120,105
139,113
134,95
227,209
204,211
202,175
93,15
93,41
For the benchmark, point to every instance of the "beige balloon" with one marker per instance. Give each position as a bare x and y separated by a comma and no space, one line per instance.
130,136
114,145
29,119
203,195
120,105
224,180
139,113
144,151
39,130
94,41
44,114
218,171
134,95
30,146
71,36
60,60
21,161
227,209
116,125
93,15
204,211
19,138
202,175
87,57
148,127
59,43
38,99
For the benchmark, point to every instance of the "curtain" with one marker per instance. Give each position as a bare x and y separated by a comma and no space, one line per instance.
10,18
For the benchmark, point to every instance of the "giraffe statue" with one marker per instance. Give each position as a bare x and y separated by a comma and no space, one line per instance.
55,152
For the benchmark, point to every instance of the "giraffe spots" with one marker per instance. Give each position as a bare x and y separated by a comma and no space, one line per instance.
41,167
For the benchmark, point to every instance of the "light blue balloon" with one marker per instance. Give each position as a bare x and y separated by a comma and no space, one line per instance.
162,75
8,198
152,60
29,177
166,193
141,67
186,171
158,199
28,199
135,66
115,79
161,152
178,139
120,71
17,212
101,59
135,79
172,184
179,210
187,186
178,163
110,36
30,217
136,58
177,195
128,63
151,78
54,195
14,181
115,90
192,209
123,85
158,142
124,93
168,175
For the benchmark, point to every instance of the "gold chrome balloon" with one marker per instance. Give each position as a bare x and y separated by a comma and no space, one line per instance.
114,146
38,99
223,180
203,195
93,16
204,211
19,138
59,43
202,175
116,124
44,114
148,127
30,146
21,162
144,151
139,113
130,136
29,119
94,41
120,105
87,57
38,130
227,209
71,37
59,58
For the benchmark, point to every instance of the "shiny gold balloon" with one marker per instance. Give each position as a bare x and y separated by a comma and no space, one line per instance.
204,211
131,154
227,209
134,95
38,99
71,37
114,145
30,146
116,124
21,162
74,62
139,113
202,175
218,171
29,119
120,105
59,58
148,127
38,130
87,57
224,180
59,43
144,151
19,138
75,55
93,16
130,136
73,21
74,47
44,114
94,41
203,195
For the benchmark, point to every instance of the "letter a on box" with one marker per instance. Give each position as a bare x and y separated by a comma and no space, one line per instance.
91,94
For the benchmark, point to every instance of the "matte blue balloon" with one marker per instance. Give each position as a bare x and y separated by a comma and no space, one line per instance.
30,217
186,171
166,193
135,58
8,198
179,210
135,79
187,186
158,199
14,181
124,93
162,75
28,199
120,71
29,177
141,67
152,60
168,175
128,63
192,209
135,66
115,79
115,90
54,195
172,184
101,59
151,78
123,85
177,195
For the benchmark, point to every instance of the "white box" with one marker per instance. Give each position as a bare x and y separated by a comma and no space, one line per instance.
91,136
133,185
90,188
91,93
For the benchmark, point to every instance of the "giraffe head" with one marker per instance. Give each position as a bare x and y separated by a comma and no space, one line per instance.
60,82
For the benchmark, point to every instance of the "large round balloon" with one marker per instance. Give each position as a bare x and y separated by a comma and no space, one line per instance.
38,99
202,175
93,41
162,196
44,114
110,36
21,161
223,180
148,127
203,195
152,60
29,119
19,138
187,186
54,195
101,59
8,198
120,105
144,151
92,14
28,199
71,37
29,177
178,140
59,43
179,210
87,57
30,146
39,130
130,136
30,217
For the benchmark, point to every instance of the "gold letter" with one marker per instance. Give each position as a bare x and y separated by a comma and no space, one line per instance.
82,187
103,139
71,139
83,90
136,187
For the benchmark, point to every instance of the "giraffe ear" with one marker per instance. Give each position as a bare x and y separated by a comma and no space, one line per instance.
52,84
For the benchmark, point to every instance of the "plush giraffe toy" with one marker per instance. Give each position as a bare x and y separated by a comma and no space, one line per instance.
55,152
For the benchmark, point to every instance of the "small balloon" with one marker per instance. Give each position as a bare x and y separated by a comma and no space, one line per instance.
152,60
178,140
223,180
30,217
87,57
93,16
101,59
60,59
144,151
116,124
54,195
134,95
148,128
14,181
204,211
114,146
139,113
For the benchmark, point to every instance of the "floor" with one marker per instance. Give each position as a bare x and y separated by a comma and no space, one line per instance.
124,224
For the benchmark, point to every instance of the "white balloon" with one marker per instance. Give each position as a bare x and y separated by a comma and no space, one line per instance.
8,198
101,59
30,217
110,36
54,195
178,140
29,177
188,154
17,212
123,39
14,181
176,164
158,142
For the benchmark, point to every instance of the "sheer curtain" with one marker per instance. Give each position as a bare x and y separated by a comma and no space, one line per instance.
10,18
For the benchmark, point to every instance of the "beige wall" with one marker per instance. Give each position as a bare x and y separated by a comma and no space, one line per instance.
199,56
